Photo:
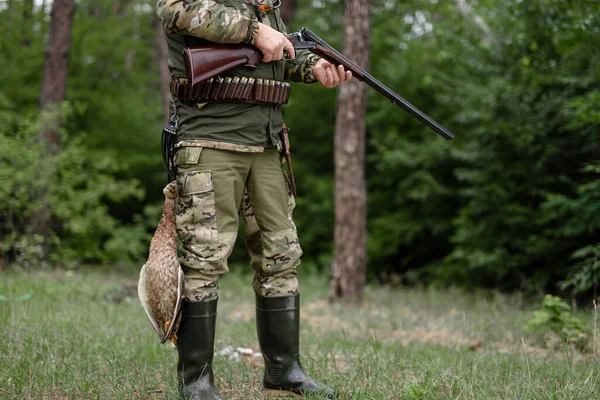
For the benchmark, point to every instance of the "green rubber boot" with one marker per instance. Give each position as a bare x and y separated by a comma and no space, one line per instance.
278,327
195,345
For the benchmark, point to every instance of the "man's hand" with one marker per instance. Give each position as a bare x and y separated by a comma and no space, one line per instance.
330,76
272,43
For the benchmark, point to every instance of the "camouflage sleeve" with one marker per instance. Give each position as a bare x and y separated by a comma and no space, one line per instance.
300,69
209,19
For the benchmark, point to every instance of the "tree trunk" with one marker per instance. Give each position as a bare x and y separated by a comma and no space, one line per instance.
349,264
165,75
288,10
56,61
53,93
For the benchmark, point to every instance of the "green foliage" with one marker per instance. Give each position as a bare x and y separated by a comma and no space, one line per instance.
511,203
114,76
556,316
414,391
73,189
584,276
578,217
474,211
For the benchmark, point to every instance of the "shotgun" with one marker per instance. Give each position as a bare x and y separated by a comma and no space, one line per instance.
209,61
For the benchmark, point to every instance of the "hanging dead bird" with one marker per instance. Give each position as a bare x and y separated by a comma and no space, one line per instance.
160,287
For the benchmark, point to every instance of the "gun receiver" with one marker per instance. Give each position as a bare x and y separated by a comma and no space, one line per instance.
209,61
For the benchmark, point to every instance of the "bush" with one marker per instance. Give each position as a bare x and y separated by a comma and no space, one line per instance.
556,315
73,191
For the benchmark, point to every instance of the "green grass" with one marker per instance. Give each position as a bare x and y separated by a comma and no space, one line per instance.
83,335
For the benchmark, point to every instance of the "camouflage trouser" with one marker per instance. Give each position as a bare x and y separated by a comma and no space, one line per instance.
215,186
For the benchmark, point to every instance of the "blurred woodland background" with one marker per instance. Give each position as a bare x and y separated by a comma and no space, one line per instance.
512,203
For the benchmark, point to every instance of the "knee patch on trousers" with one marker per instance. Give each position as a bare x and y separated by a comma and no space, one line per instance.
203,264
281,251
277,273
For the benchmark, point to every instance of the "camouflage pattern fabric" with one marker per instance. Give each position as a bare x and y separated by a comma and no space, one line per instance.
217,21
281,256
230,22
247,213
265,258
197,193
207,218
301,68
204,251
227,21
220,145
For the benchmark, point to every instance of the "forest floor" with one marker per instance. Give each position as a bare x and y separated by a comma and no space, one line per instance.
84,335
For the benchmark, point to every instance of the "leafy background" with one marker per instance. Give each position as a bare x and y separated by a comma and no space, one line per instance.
511,203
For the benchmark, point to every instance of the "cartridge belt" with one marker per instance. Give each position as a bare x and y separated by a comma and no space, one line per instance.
233,89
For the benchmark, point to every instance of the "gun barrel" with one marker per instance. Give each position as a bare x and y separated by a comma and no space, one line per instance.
332,55
412,110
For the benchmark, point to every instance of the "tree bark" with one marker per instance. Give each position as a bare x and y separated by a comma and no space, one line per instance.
165,75
56,62
349,264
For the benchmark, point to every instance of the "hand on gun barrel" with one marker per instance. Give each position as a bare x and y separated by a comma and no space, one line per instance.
209,61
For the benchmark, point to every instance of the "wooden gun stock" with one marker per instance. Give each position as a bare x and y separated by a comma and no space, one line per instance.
206,62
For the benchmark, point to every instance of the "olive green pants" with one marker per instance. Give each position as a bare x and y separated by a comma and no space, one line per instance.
217,186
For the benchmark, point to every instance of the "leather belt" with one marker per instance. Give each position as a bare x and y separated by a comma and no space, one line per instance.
233,89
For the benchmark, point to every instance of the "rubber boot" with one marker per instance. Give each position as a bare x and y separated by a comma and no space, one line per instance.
278,327
195,346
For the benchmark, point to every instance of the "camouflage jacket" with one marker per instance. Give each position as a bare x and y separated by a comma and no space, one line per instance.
236,126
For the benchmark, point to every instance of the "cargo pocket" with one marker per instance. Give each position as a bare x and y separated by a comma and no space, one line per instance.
196,217
187,156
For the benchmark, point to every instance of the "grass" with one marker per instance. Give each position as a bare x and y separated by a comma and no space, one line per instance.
83,335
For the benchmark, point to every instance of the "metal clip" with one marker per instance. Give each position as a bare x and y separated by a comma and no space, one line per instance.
174,120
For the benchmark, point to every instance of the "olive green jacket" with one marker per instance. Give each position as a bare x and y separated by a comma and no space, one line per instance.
246,126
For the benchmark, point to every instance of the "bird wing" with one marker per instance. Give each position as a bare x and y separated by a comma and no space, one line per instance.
177,311
143,296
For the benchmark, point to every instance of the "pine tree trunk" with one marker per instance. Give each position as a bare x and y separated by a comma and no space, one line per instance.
349,264
53,93
55,67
